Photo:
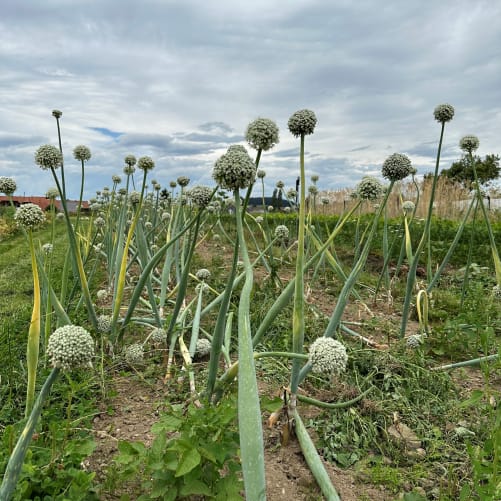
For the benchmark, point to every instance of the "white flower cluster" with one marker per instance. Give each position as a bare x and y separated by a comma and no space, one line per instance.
165,216
203,347
203,274
7,185
328,356
200,195
134,354
29,216
469,143
396,167
82,153
408,206
302,122
325,201
103,324
183,181
158,335
262,134
134,197
52,193
369,188
280,185
259,219
48,157
261,173
130,160
444,113
281,232
70,347
47,249
235,169
414,341
116,179
496,292
101,294
145,163
313,190
99,222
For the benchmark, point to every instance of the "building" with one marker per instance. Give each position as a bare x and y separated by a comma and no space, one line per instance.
43,203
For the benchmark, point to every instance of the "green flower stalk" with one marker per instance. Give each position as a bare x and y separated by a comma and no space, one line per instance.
81,153
57,114
30,216
69,347
301,124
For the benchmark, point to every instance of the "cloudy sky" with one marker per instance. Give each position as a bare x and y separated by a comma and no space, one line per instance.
180,80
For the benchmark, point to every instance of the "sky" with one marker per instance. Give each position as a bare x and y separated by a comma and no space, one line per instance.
180,81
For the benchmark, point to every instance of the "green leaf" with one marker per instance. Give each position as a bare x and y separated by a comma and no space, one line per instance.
271,404
194,486
476,396
166,423
189,460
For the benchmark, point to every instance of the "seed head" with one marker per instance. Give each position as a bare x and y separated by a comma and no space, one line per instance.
99,222
314,178
200,195
496,292
235,169
302,122
116,179
7,185
130,160
444,113
134,354
82,153
328,356
414,341
145,163
313,190
103,324
52,193
369,188
57,113
134,197
408,207
203,347
48,157
325,201
203,274
101,294
469,143
29,216
70,347
183,181
158,336
261,173
47,249
262,134
396,167
281,232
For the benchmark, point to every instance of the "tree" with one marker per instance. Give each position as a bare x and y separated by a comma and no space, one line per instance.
462,172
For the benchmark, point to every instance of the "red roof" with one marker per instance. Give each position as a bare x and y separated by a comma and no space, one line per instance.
42,202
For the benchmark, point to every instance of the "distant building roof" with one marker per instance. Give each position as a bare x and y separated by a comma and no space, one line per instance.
42,202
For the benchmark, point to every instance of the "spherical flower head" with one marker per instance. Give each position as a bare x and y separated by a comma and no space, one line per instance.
82,153
130,160
103,324
173,184
261,173
444,113
70,347
57,114
314,178
157,187
129,170
101,294
270,208
292,193
165,216
328,356
281,232
183,181
148,225
134,197
203,274
313,190
496,292
203,347
287,209
469,143
47,249
396,167
369,188
200,196
145,163
259,219
134,354
99,222
52,193
408,207
48,157
414,341
7,185
325,201
116,179
280,185
29,216
235,169
262,134
158,336
302,122
60,216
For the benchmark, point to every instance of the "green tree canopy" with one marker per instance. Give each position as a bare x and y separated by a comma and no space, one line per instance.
462,171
